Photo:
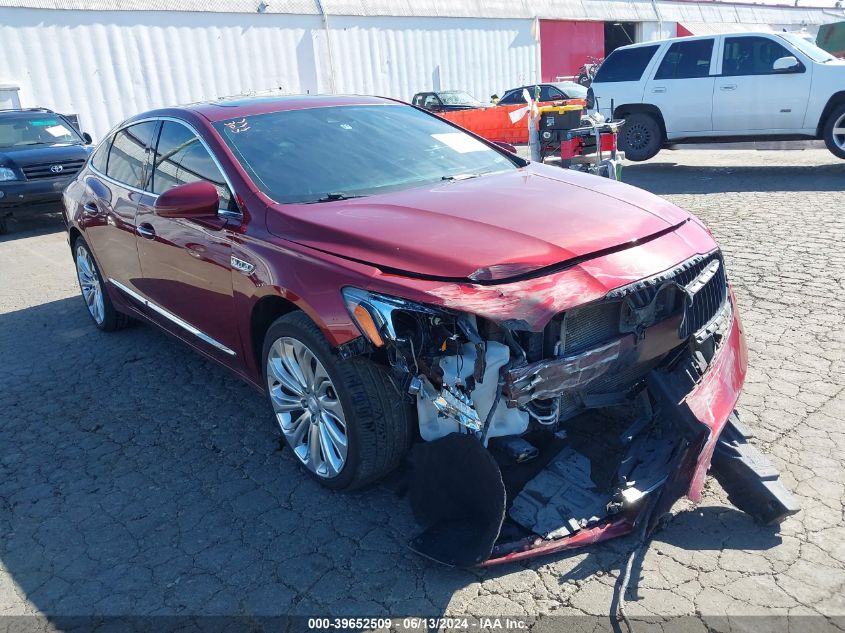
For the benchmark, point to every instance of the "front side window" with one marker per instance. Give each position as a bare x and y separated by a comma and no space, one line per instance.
22,129
325,153
625,64
180,158
128,155
751,55
686,60
431,101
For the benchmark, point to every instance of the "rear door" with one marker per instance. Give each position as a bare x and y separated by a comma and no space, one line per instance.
113,191
751,96
186,264
682,86
619,79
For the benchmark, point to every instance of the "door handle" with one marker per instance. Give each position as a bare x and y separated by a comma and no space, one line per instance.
727,87
659,89
89,208
146,230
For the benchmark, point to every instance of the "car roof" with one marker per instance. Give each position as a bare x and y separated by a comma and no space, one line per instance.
229,108
693,37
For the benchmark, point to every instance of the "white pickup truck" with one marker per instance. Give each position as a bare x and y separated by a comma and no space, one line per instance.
720,88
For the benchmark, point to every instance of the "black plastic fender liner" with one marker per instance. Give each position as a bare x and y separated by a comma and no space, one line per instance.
458,497
750,479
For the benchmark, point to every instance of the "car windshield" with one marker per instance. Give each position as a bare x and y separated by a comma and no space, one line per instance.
808,48
330,153
458,97
26,128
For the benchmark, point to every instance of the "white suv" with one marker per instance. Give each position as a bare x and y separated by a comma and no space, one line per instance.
749,86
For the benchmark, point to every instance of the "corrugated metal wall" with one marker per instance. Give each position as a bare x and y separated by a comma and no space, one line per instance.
567,45
108,65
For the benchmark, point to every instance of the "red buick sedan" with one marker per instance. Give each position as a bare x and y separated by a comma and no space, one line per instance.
563,350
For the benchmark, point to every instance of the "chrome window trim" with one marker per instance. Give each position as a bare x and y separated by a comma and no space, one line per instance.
172,318
225,213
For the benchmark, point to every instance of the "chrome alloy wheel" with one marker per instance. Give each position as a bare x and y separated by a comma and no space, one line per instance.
89,282
839,133
307,407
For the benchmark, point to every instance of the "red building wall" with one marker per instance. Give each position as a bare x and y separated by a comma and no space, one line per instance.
565,46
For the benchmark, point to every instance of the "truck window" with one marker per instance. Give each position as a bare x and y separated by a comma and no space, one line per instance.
751,55
625,64
686,60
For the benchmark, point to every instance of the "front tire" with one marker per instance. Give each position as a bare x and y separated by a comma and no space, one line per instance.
834,132
343,419
93,289
641,137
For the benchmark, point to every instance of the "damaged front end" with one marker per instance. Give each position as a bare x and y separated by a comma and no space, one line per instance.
539,441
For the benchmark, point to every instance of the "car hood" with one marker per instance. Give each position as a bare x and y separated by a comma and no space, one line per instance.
35,154
490,228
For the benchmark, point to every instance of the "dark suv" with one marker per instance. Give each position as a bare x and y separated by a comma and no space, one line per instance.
40,152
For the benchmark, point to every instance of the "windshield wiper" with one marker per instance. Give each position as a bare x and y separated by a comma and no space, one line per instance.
331,197
459,177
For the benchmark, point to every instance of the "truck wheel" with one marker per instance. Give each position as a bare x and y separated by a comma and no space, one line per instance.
342,419
834,132
641,137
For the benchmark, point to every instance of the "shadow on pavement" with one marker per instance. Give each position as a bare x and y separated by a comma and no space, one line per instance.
670,178
138,478
32,225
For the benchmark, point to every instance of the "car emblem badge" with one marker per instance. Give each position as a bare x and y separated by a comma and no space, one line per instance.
241,265
57,169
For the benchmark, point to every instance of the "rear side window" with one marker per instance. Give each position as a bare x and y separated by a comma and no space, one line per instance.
128,155
751,55
550,93
625,64
181,158
686,60
514,96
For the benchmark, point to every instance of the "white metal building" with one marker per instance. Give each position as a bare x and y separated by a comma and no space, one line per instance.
108,59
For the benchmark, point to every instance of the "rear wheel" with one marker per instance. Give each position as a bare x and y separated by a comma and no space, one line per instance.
343,419
834,132
641,137
97,300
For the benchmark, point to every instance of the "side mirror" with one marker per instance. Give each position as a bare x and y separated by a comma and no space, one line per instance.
788,64
192,200
87,138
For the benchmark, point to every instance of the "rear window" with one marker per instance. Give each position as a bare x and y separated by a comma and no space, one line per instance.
625,64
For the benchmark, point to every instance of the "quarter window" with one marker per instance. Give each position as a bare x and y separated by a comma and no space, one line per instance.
751,55
686,60
128,155
181,158
625,64
100,158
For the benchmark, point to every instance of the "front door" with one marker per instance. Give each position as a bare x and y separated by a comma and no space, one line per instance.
750,95
186,264
682,87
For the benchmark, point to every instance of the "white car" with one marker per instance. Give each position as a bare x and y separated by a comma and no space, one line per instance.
730,87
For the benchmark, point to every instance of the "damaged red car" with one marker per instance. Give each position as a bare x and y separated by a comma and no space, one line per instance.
558,355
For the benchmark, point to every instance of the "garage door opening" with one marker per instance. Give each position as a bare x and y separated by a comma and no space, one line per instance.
618,34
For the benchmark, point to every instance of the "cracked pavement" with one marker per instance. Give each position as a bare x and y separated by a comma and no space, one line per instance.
138,478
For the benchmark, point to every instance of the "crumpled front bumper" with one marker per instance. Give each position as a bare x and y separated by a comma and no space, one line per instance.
709,406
